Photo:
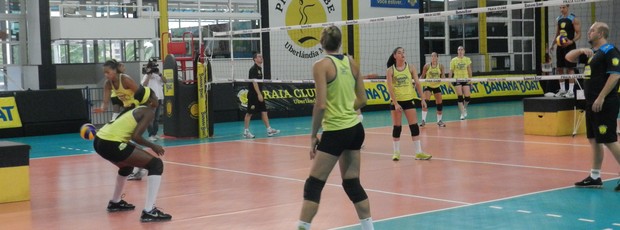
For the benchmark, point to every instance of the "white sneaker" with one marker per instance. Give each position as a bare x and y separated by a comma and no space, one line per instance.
560,93
569,94
271,132
152,138
137,175
465,113
462,117
248,135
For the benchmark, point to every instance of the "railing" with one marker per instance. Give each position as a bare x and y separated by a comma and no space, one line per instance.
104,11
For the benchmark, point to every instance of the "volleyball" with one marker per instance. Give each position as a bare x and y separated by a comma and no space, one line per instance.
561,40
88,131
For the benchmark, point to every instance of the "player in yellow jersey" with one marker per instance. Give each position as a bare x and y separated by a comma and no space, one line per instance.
118,84
460,68
399,78
115,143
433,70
339,93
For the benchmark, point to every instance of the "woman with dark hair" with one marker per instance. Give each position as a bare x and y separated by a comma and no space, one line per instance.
115,143
399,78
118,87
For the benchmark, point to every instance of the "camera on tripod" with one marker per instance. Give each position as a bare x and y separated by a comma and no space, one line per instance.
151,67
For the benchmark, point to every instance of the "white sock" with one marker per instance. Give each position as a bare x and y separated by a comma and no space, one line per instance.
424,115
153,183
246,131
367,224
303,225
439,117
562,87
571,86
396,145
135,170
361,117
118,189
595,173
417,146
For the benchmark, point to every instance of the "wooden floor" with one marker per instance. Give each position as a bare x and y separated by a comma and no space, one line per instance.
258,184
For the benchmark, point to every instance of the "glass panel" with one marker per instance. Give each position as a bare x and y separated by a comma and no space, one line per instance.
434,29
527,46
244,48
528,28
433,6
516,14
516,29
456,31
435,45
471,30
518,62
90,51
131,51
497,45
517,46
527,62
499,14
59,52
471,46
76,53
529,13
497,29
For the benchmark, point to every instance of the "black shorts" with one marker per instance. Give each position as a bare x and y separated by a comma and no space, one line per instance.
335,142
256,106
561,52
116,101
113,151
433,90
602,125
404,104
461,84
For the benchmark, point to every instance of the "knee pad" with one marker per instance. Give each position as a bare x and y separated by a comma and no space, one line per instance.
439,107
460,98
396,131
354,190
415,129
125,171
155,167
467,99
313,189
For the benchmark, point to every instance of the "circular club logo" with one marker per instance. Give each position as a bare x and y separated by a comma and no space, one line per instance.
243,97
304,12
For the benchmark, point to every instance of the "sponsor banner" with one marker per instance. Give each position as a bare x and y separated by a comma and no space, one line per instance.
378,94
280,97
296,96
9,116
299,43
203,118
168,74
413,4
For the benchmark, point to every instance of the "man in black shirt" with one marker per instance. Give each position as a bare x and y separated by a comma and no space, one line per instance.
256,102
602,102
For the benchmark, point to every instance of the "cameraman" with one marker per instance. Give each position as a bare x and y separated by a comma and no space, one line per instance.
153,79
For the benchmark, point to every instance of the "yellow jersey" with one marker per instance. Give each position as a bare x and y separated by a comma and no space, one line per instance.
125,95
121,129
402,83
459,67
433,73
340,112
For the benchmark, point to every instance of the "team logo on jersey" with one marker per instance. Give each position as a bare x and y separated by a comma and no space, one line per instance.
615,61
602,129
304,43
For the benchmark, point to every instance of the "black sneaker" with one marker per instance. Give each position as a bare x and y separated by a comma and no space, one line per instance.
589,183
120,206
154,216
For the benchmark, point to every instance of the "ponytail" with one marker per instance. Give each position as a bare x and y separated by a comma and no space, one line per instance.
391,60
